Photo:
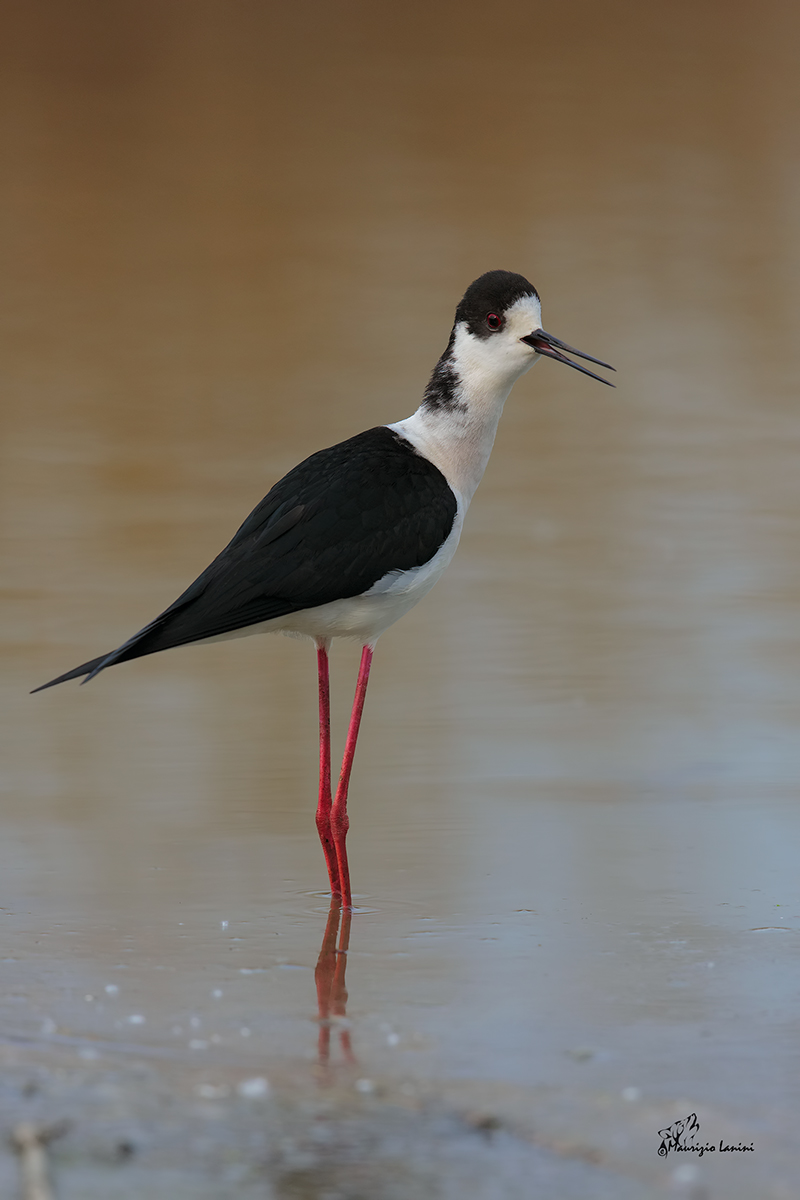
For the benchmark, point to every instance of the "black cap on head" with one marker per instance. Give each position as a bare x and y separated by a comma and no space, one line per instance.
493,292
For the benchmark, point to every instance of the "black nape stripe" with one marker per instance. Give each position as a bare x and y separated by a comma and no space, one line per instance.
441,392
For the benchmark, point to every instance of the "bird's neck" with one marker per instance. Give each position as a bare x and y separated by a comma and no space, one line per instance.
456,424
458,440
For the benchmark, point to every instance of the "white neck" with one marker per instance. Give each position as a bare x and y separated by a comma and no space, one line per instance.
456,424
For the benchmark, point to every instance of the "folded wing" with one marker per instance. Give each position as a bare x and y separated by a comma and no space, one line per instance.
329,530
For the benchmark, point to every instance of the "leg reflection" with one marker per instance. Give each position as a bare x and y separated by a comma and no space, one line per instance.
329,977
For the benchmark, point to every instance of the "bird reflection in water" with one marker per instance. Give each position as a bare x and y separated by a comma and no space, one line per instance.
329,977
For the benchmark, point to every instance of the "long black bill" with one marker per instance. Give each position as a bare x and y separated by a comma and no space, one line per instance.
545,343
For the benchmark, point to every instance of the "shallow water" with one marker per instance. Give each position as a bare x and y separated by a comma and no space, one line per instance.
574,808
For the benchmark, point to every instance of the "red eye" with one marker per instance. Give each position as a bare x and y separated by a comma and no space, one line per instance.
494,322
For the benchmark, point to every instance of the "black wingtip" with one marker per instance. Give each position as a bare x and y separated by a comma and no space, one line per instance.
89,669
52,683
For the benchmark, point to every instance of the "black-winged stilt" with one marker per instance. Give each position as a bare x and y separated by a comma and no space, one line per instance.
354,536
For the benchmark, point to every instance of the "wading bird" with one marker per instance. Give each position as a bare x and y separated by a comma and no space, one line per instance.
355,536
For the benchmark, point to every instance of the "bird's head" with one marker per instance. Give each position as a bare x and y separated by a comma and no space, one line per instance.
498,333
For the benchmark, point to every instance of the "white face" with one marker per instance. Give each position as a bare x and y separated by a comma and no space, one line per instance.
499,358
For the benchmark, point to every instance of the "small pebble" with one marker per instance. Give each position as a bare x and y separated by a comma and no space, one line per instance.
253,1089
136,1019
365,1086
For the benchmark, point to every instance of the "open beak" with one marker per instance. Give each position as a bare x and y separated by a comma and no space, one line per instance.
545,343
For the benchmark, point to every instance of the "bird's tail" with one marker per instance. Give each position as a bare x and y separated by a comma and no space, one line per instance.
86,668
144,642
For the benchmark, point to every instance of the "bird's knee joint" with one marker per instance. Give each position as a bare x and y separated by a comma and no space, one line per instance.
340,824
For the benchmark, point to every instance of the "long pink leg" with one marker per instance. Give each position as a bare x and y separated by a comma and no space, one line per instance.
340,822
324,804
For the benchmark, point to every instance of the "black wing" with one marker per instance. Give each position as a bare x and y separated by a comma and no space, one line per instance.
330,529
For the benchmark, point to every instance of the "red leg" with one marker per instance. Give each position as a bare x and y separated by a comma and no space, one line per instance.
340,821
324,805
